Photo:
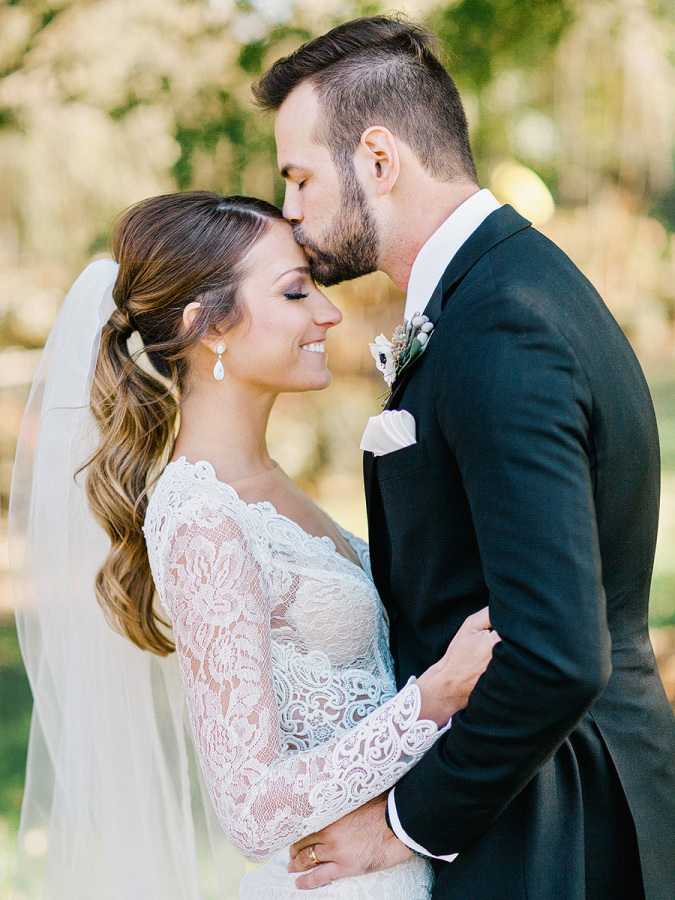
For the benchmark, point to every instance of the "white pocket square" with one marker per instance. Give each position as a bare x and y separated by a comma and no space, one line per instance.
392,430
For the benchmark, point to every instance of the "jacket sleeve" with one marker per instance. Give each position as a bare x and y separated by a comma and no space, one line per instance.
515,408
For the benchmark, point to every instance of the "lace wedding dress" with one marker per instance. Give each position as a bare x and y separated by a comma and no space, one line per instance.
283,649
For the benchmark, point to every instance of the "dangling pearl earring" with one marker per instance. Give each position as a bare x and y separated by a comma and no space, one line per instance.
218,370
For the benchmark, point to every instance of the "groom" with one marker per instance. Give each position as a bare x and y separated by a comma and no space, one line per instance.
533,485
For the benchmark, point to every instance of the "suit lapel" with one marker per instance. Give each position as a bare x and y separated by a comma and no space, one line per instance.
497,227
433,306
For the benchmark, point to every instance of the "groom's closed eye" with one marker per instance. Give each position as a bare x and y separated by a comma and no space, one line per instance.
294,174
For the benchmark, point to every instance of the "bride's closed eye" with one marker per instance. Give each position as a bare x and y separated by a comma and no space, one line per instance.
296,290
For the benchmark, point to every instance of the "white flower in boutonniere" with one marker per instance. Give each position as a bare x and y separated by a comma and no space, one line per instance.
408,341
383,354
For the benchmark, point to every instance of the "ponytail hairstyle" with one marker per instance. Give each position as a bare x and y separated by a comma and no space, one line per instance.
172,250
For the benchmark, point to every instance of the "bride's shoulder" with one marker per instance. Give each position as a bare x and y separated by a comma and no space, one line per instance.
189,496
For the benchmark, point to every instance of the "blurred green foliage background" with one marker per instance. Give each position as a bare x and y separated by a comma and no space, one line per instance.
571,105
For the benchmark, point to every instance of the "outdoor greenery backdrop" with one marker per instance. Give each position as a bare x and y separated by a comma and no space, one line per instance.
571,105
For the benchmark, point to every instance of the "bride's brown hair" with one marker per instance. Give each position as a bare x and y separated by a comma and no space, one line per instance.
172,250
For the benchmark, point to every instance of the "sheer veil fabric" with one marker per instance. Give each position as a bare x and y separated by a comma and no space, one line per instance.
113,806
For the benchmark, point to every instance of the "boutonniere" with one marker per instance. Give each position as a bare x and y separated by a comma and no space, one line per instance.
407,343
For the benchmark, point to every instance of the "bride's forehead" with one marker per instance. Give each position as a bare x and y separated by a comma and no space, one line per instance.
276,242
275,254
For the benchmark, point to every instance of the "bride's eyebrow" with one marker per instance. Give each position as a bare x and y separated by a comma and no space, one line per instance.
303,269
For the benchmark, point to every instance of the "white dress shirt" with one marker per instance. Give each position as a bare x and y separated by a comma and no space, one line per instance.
430,263
434,257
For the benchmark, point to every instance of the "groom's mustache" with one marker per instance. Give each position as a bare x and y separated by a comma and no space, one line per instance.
301,238
314,255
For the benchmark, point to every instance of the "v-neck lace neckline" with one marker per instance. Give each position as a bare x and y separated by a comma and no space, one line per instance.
269,509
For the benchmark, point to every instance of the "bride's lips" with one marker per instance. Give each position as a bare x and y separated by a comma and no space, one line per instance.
314,347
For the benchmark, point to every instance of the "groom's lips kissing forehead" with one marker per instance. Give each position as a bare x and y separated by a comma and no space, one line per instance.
303,240
300,238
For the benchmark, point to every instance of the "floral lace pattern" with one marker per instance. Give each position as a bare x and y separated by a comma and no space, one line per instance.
283,648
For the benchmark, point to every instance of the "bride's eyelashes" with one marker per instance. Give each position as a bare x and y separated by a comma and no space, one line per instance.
295,295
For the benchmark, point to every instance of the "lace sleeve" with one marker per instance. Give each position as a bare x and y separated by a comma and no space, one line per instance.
214,587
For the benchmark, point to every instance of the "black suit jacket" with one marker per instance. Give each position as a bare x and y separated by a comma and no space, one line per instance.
534,487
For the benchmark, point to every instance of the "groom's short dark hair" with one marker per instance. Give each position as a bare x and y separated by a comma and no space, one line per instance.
378,71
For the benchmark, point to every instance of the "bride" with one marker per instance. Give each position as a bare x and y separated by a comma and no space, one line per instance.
156,387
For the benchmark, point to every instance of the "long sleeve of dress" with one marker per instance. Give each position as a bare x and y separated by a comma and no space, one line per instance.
214,584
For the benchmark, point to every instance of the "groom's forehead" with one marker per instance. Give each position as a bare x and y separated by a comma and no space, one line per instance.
303,99
296,121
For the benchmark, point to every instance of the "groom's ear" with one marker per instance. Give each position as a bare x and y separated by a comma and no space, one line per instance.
377,160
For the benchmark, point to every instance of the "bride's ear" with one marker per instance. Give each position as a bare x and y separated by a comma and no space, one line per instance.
211,341
189,314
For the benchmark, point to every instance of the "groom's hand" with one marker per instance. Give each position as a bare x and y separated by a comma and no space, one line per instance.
359,843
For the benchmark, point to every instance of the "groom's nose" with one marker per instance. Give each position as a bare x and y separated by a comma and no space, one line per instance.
291,210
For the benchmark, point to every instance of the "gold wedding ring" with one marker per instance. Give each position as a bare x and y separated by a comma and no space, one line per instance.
312,856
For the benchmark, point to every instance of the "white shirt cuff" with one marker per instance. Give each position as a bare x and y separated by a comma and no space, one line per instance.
397,828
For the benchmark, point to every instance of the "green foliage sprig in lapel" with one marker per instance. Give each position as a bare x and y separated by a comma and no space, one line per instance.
408,342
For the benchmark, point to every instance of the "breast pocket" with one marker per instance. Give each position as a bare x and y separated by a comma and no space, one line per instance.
402,462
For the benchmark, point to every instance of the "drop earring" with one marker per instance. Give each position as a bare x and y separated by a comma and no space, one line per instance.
218,370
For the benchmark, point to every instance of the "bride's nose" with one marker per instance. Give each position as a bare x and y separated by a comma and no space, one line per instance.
325,312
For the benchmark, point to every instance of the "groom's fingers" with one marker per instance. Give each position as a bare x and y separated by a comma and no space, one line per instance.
479,621
302,860
304,844
319,876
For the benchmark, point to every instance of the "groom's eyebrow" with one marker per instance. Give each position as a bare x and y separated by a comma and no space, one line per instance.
285,171
303,269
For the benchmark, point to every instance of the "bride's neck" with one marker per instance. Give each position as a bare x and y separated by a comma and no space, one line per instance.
227,427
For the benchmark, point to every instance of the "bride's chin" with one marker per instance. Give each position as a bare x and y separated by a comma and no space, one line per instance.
323,383
316,377
317,384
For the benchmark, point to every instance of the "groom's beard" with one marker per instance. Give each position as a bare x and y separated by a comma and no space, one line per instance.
350,247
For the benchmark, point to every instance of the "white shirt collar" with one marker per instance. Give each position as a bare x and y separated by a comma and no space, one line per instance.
434,257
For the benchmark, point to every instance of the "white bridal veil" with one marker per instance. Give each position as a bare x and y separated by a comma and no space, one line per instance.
113,808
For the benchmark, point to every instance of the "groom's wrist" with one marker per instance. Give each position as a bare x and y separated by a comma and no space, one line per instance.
386,815
391,827
394,824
